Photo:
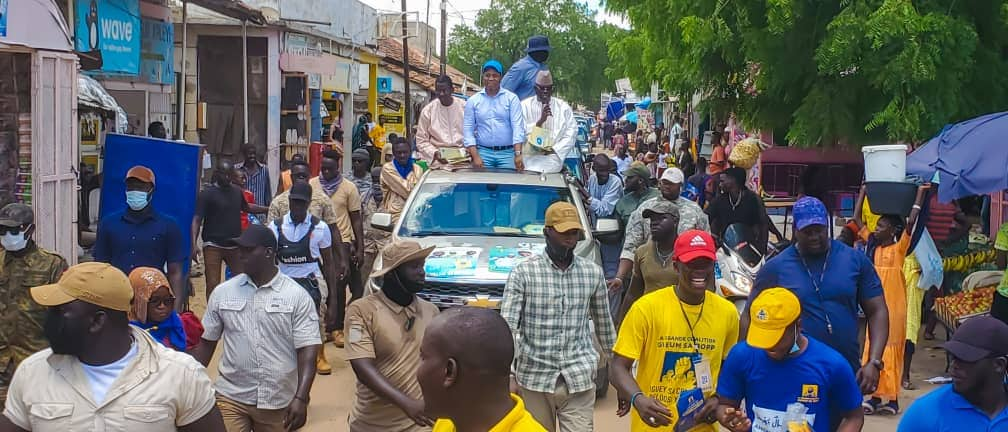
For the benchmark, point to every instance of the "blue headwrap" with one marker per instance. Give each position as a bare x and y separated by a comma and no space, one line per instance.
169,332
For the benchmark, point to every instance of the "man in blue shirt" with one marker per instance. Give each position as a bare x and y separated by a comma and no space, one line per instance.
520,78
831,280
140,236
977,399
493,125
786,378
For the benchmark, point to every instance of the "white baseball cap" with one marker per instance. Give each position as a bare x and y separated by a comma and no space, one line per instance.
674,175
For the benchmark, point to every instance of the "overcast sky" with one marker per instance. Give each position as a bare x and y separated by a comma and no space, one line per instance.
463,11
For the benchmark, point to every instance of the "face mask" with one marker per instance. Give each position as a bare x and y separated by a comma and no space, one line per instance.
14,242
136,200
411,286
64,339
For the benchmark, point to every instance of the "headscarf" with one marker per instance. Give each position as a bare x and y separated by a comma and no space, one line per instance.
170,333
330,186
404,171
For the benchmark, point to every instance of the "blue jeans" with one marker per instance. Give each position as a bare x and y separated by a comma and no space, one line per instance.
497,158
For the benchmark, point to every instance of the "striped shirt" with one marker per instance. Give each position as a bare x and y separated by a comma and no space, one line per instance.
259,183
548,310
265,327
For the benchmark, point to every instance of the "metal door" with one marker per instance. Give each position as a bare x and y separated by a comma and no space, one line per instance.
54,151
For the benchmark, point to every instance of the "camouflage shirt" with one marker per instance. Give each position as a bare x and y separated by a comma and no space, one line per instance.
21,319
638,229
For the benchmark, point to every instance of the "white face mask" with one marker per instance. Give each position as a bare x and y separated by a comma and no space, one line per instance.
14,242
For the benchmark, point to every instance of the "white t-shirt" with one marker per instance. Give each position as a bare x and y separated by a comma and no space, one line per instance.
102,377
321,239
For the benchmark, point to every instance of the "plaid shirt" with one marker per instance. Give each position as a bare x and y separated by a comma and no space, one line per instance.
548,310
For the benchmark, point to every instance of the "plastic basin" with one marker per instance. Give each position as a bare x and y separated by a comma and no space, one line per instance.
891,197
885,163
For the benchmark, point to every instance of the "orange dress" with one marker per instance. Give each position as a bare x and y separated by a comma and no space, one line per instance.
889,265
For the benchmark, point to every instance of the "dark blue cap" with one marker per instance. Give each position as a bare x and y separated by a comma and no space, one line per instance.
538,43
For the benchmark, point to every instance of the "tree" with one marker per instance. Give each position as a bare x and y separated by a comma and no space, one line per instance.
580,52
824,71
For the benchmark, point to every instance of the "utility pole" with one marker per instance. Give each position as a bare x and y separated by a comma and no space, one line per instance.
444,37
406,80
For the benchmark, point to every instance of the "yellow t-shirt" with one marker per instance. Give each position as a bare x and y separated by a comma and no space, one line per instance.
656,334
517,420
378,136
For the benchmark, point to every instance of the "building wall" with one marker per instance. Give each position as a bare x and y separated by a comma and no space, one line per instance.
426,37
350,20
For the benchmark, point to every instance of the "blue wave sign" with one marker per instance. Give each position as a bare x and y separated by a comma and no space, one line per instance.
111,27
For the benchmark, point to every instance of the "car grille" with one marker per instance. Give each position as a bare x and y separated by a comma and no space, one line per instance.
444,294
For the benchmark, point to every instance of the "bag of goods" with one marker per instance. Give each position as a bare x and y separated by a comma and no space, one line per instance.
746,152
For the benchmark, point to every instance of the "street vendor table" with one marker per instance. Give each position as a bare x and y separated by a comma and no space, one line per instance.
785,203
955,309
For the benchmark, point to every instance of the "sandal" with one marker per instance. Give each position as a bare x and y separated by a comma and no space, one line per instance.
907,385
871,406
929,336
889,409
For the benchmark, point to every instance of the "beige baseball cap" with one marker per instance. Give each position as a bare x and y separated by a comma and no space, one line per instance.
97,283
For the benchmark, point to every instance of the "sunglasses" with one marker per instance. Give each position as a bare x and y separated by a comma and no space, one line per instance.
164,301
11,230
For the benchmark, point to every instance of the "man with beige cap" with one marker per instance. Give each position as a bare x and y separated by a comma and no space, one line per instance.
558,297
384,331
100,370
556,117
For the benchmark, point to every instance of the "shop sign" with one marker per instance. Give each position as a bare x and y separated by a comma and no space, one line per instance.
391,104
3,18
111,28
390,119
157,52
384,84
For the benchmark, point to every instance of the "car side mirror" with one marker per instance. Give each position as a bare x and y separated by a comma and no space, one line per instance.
606,226
382,221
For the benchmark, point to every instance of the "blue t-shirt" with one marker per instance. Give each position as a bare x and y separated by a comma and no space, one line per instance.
819,378
129,239
850,280
944,410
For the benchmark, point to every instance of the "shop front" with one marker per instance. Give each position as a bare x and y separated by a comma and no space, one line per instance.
38,125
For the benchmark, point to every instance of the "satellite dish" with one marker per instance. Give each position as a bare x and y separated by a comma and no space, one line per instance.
271,14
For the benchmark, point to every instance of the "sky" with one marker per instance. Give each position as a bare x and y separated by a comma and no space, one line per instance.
464,11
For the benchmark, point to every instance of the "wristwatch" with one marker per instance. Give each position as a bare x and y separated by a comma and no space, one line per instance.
877,363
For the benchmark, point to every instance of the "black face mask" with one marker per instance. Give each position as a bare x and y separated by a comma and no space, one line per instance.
411,286
64,339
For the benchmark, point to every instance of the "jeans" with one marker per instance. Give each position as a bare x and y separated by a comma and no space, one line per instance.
497,158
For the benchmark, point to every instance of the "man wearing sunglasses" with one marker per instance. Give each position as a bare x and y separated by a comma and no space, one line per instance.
977,399
556,118
23,265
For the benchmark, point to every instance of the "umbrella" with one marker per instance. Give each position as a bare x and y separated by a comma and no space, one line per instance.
970,157
630,117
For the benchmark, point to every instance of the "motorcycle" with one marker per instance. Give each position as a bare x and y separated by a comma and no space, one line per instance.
736,267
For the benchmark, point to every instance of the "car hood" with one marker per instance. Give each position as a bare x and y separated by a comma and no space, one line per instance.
481,260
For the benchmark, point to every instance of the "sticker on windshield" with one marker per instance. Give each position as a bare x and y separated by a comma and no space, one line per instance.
502,259
446,262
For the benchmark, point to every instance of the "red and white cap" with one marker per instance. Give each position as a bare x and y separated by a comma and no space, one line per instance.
694,244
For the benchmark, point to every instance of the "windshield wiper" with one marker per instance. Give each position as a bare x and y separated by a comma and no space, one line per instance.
431,233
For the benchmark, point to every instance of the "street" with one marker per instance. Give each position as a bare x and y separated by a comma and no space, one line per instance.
333,396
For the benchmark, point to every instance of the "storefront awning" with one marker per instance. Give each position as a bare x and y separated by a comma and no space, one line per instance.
234,9
91,94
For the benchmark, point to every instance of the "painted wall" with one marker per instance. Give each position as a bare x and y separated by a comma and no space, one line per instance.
349,19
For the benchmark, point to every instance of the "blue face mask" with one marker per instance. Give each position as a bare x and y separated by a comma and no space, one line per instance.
136,200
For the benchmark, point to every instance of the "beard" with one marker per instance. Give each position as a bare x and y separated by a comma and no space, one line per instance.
62,338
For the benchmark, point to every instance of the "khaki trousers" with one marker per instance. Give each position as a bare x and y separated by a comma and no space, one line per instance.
573,411
213,259
239,417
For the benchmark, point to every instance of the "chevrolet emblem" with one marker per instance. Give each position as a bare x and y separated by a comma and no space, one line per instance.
483,302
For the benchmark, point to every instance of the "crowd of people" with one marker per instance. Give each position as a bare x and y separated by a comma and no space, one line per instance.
111,344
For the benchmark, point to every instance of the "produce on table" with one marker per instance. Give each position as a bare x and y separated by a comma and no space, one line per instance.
954,308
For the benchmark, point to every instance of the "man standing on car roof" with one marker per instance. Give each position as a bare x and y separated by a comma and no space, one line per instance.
555,116
548,298
493,125
520,78
440,126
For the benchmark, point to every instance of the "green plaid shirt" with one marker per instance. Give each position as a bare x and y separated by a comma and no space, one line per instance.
551,313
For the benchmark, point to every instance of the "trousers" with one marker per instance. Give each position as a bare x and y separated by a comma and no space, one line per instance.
239,417
572,412
497,158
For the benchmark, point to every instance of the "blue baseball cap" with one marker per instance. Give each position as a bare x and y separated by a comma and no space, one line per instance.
809,211
493,64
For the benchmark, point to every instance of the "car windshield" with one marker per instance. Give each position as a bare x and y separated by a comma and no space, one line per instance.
459,209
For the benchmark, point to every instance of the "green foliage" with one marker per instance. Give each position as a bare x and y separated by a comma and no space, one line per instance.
580,52
824,71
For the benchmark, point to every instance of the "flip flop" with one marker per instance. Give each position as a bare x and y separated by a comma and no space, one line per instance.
907,385
889,409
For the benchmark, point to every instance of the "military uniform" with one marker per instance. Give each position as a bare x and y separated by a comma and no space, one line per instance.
638,229
21,319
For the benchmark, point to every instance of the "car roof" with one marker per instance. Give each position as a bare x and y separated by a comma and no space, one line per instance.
499,176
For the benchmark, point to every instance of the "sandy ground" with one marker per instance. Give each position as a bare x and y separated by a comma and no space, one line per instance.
332,396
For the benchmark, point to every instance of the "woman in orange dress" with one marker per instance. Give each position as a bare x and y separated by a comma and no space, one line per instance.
888,246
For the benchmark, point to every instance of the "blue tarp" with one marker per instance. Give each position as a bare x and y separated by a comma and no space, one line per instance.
614,110
970,157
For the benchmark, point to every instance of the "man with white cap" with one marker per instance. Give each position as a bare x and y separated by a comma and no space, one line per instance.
548,298
384,332
102,373
638,229
521,75
493,126
556,117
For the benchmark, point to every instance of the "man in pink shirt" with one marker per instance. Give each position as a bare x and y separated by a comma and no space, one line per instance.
440,127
